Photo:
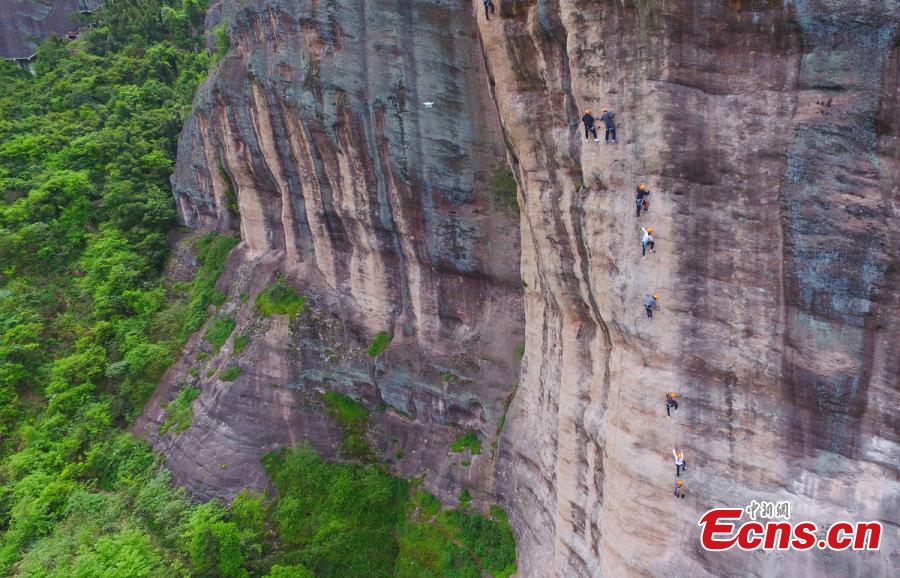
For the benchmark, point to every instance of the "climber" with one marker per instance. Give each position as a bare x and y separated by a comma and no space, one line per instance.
671,403
680,464
651,303
588,120
680,489
607,119
488,4
647,240
642,192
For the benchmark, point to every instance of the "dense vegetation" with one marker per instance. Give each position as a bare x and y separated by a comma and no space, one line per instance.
88,325
349,520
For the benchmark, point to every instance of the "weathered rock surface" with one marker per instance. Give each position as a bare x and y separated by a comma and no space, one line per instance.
378,209
25,23
768,133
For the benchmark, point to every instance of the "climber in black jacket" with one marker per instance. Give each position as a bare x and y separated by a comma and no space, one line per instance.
588,120
488,4
607,119
671,402
642,193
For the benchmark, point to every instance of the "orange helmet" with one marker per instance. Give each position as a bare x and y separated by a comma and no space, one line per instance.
605,110
656,296
643,186
588,111
649,229
680,483
680,455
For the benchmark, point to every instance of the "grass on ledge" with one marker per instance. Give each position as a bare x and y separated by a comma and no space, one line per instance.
178,413
467,440
212,250
230,373
379,343
219,330
279,299
349,413
240,343
353,417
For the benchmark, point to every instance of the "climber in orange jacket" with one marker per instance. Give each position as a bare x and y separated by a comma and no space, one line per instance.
680,463
671,403
642,192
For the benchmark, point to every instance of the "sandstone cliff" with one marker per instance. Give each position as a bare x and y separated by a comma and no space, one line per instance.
768,134
312,140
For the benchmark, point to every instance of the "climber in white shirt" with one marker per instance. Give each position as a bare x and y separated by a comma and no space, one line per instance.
647,240
680,464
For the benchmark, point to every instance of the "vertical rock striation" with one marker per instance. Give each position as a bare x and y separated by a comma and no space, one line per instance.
311,138
768,134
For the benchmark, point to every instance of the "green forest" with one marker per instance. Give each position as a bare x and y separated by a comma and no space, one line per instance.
88,326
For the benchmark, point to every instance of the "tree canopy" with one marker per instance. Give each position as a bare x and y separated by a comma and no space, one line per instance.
88,325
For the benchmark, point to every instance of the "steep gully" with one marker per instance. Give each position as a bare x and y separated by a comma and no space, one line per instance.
768,135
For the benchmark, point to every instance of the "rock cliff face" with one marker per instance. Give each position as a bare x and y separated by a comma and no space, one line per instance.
768,135
312,140
25,23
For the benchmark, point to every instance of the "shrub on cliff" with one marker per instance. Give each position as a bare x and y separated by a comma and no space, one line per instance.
468,440
349,413
240,343
379,343
219,330
503,188
279,299
490,539
212,250
178,413
353,418
230,373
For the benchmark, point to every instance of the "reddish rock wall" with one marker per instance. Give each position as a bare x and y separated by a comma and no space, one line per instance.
380,210
768,135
